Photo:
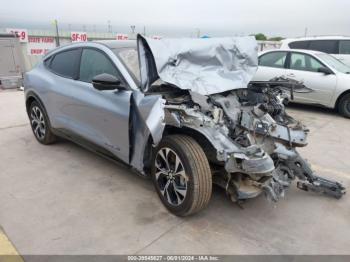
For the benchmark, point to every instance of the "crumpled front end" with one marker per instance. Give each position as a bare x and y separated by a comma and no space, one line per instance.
253,139
249,139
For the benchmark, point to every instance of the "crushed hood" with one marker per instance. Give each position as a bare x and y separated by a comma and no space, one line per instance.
205,66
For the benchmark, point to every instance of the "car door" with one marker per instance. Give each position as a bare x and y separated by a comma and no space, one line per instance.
271,65
304,68
90,115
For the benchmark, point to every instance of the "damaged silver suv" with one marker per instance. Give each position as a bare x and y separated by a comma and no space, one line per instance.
182,111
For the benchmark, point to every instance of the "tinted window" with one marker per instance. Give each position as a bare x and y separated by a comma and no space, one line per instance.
66,63
326,46
299,44
93,63
274,59
304,62
344,47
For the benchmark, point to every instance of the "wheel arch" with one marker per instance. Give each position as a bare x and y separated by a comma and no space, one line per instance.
207,146
31,97
200,138
340,97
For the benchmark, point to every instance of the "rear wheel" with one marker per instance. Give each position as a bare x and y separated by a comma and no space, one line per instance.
344,106
181,175
40,124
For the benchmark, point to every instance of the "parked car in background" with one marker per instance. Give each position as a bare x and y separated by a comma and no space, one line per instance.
328,78
338,46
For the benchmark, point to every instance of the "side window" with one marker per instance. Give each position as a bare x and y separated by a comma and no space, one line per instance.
66,63
299,44
130,58
344,47
93,63
273,59
304,62
326,46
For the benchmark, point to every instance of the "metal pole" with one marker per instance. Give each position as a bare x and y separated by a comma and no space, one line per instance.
109,26
57,35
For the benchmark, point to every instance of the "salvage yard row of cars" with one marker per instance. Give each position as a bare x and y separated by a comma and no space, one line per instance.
187,113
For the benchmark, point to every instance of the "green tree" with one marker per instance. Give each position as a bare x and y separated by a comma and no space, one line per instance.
260,36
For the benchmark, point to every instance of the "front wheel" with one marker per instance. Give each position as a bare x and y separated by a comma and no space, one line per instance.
181,175
344,106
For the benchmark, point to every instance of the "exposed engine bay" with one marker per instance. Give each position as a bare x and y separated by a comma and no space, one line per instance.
252,140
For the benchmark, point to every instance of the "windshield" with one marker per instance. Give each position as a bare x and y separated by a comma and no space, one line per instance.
130,59
334,63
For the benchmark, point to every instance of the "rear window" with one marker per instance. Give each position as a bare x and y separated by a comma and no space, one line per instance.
299,44
66,63
344,47
326,46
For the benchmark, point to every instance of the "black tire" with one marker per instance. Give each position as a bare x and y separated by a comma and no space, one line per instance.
197,172
344,106
42,131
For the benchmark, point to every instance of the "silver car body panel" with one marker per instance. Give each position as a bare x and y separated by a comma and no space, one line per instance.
101,117
204,66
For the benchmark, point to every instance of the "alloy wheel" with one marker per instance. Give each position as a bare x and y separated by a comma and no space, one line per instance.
171,176
38,122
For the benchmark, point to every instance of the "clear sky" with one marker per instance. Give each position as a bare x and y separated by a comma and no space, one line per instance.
183,17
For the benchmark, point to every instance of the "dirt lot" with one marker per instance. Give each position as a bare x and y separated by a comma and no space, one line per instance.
62,199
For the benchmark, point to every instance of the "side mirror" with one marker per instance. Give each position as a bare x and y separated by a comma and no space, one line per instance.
106,82
325,70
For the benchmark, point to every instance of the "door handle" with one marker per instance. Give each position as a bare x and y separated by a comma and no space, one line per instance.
291,75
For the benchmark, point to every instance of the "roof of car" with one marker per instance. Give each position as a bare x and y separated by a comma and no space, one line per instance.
288,40
311,52
112,44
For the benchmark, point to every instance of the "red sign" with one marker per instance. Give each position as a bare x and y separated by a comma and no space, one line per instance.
78,36
122,37
22,34
33,39
40,45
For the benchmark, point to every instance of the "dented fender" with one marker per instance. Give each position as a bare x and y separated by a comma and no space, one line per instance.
146,120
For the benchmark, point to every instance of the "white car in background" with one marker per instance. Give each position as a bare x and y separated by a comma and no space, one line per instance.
328,78
338,46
